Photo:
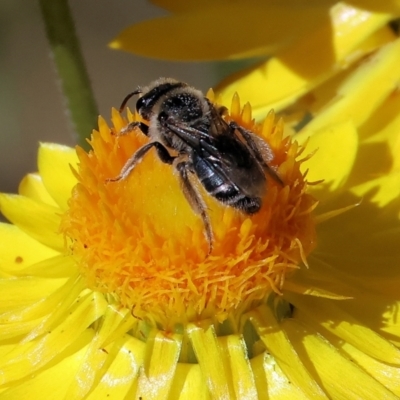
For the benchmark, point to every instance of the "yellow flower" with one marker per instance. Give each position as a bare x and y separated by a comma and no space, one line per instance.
156,244
226,30
110,292
310,43
129,304
326,54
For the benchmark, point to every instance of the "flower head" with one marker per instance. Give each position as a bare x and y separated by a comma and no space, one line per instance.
139,239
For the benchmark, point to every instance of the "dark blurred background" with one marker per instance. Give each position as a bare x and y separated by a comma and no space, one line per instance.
31,105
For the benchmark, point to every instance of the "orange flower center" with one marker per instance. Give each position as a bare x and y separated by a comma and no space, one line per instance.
139,240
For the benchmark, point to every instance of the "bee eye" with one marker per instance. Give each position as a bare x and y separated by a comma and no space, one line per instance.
140,103
144,106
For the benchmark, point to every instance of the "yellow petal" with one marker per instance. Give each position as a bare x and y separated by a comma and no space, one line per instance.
383,190
60,266
381,138
32,186
235,354
40,308
21,292
189,383
13,331
27,319
218,31
97,357
52,382
208,353
116,322
310,289
282,79
379,150
360,95
340,377
64,302
285,355
387,375
387,286
359,257
335,152
54,162
320,280
272,382
31,356
327,314
362,238
155,379
18,250
392,6
38,220
120,377
391,328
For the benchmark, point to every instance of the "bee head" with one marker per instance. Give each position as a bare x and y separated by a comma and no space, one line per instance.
153,95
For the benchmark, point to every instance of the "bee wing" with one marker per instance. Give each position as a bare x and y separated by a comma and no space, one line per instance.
232,151
224,153
194,136
259,149
239,162
256,145
241,150
220,132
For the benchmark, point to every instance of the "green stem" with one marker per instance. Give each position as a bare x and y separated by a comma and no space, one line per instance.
70,65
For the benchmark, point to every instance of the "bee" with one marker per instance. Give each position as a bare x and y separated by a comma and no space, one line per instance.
189,132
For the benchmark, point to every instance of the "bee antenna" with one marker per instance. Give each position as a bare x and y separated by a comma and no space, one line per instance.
127,98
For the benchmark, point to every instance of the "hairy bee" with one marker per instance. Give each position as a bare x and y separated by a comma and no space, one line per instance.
229,161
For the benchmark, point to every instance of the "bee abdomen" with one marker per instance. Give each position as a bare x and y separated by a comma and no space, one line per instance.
224,191
248,205
214,182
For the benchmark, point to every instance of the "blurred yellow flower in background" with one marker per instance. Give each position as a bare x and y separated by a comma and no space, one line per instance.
226,30
309,42
109,293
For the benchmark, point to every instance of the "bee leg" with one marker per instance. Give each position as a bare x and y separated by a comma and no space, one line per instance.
163,153
222,110
195,200
137,157
132,126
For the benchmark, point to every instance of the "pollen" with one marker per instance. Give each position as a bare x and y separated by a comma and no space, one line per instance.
138,240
